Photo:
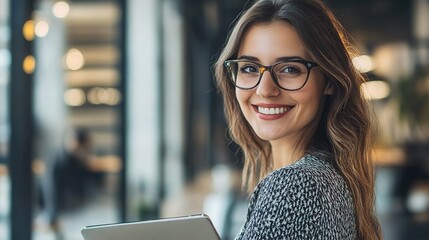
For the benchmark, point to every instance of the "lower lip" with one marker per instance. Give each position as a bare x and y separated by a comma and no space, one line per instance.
270,116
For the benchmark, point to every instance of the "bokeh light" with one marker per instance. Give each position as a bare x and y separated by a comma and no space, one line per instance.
29,64
108,96
75,59
74,97
374,90
61,9
363,63
113,96
28,30
42,28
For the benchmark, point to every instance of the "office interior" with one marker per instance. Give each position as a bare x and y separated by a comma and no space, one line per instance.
136,77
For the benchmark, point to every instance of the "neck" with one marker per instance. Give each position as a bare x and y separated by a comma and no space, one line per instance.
285,154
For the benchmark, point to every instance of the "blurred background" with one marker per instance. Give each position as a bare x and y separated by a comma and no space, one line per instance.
108,113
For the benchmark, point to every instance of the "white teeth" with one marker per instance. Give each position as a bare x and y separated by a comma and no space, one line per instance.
272,111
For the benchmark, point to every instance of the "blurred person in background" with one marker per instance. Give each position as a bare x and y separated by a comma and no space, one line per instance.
67,178
293,103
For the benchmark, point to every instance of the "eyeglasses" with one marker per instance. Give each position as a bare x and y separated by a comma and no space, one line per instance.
290,74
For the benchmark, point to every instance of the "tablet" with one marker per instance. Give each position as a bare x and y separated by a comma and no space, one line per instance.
198,227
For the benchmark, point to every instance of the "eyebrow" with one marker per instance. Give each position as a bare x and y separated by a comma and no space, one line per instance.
245,57
279,59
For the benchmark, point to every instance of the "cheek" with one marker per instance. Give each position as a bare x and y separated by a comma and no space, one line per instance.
319,82
310,100
242,98
312,105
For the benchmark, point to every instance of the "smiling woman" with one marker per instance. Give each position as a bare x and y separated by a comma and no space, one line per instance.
293,103
300,102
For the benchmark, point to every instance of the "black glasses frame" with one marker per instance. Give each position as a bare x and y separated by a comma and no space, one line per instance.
308,64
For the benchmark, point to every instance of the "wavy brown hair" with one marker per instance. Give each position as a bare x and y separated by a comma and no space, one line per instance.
344,129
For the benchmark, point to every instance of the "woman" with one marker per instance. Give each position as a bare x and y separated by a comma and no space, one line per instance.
293,103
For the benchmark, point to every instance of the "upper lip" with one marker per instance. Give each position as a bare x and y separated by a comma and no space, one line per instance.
271,105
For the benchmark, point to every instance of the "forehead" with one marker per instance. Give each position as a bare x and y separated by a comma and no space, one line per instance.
268,41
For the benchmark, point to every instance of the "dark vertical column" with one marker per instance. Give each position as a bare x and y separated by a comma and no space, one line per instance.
122,198
21,120
188,91
161,102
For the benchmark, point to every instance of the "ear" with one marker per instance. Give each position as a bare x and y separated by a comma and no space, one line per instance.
329,88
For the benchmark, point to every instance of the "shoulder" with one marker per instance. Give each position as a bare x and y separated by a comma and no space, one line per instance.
311,171
312,181
306,199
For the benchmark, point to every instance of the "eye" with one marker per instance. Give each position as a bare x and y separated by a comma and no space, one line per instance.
290,69
249,68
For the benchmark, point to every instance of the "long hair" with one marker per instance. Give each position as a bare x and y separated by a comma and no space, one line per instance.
344,128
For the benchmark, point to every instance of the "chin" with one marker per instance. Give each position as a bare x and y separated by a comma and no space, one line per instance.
267,136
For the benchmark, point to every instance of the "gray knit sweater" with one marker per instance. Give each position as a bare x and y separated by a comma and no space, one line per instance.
305,200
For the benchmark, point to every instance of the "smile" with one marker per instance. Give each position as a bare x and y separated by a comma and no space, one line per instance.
273,111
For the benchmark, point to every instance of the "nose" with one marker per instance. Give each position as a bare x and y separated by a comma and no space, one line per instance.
266,87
